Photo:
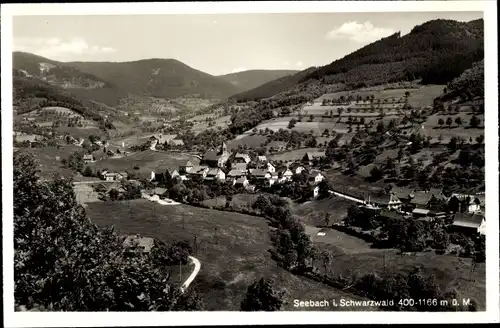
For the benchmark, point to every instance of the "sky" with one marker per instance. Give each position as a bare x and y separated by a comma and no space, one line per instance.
216,44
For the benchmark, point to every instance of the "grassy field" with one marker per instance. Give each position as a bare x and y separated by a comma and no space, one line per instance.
239,201
48,162
451,272
147,161
312,212
353,185
249,140
232,249
292,155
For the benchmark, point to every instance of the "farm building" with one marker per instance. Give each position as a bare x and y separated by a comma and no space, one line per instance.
239,166
316,177
384,201
309,157
296,168
234,174
113,176
176,143
88,158
261,159
474,203
241,159
215,175
284,174
271,168
186,168
242,181
469,223
426,199
198,172
216,159
162,138
403,193
135,243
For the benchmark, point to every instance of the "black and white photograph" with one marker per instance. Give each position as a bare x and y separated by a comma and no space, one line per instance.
248,158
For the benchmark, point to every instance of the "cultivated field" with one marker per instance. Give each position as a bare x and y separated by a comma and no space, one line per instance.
433,129
253,140
232,248
222,122
423,96
292,155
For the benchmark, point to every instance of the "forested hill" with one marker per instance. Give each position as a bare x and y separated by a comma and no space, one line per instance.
162,78
468,86
435,52
247,80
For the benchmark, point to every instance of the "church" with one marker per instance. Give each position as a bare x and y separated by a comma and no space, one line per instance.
216,159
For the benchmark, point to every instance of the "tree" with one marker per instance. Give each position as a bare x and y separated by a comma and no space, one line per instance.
458,121
441,122
87,272
474,121
480,139
326,258
326,217
326,133
292,123
454,204
114,194
87,172
453,144
262,295
311,118
376,173
449,122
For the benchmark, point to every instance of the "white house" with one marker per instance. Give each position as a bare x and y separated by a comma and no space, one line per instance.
175,174
316,192
88,158
108,176
296,168
316,177
242,181
270,168
284,175
215,174
198,172
242,158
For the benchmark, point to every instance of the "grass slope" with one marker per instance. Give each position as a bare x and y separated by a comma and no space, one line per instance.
232,249
251,79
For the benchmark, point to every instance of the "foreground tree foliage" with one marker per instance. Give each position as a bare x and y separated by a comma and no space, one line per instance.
63,262
262,295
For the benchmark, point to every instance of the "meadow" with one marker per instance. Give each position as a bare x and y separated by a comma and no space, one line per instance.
146,161
49,159
232,248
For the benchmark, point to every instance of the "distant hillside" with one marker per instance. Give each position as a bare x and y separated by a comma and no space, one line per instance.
161,78
272,87
80,84
435,53
247,80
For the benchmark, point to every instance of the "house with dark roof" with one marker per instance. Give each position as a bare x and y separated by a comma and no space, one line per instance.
425,199
316,177
309,157
384,201
241,158
137,244
239,166
215,174
296,168
469,223
198,172
186,168
216,158
234,174
284,174
474,203
403,193
242,182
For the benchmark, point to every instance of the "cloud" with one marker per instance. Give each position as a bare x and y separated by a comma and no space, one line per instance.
361,33
55,48
299,64
239,69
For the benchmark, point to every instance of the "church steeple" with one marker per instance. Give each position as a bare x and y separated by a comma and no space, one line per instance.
223,149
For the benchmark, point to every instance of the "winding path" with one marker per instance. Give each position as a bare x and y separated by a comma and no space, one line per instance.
336,193
197,266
